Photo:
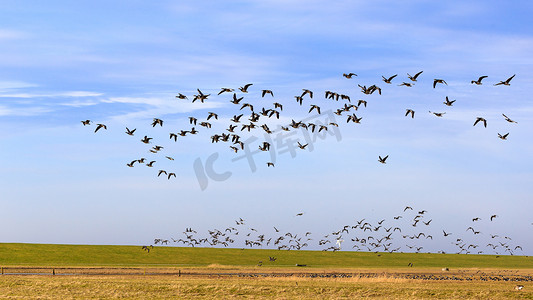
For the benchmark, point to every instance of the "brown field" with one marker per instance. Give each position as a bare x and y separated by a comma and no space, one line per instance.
223,282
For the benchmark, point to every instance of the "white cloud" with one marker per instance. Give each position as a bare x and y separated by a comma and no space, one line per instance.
58,94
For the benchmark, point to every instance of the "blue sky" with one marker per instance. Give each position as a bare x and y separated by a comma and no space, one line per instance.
122,64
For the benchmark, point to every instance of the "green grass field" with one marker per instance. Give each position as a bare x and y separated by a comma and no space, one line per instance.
12,254
207,267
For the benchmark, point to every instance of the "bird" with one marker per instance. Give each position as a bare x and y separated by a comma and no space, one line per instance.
146,139
302,146
98,126
508,120
150,164
270,164
406,84
225,90
503,137
413,78
299,214
264,92
448,102
383,160
130,132
388,80
506,82
181,96
407,207
86,122
446,234
235,99
480,119
244,88
349,75
173,135
306,91
171,174
438,114
131,164
435,81
193,120
478,82
314,107
493,217
161,172
212,115
156,122
410,111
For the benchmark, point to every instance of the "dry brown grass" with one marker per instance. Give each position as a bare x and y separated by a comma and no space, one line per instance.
173,287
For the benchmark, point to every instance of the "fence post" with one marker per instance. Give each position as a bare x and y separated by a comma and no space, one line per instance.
53,271
179,273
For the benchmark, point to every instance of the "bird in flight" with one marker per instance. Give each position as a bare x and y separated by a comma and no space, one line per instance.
349,75
448,102
478,82
130,132
435,81
98,126
480,119
244,88
503,137
86,122
299,214
383,159
438,114
506,82
410,111
508,120
264,92
493,217
413,78
388,80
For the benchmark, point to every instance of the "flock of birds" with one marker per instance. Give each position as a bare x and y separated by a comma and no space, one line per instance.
254,117
409,231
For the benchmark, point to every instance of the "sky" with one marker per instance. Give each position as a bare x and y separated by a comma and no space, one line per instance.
122,63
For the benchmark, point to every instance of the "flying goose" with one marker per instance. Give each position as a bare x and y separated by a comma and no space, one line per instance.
157,121
406,84
478,82
244,88
413,78
130,132
212,115
349,75
192,120
306,91
448,102
98,126
503,137
235,99
508,120
181,96
480,119
437,114
435,81
264,92
302,146
388,80
86,122
171,174
150,164
383,159
270,164
506,82
225,90
146,139
161,172
314,107
410,111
